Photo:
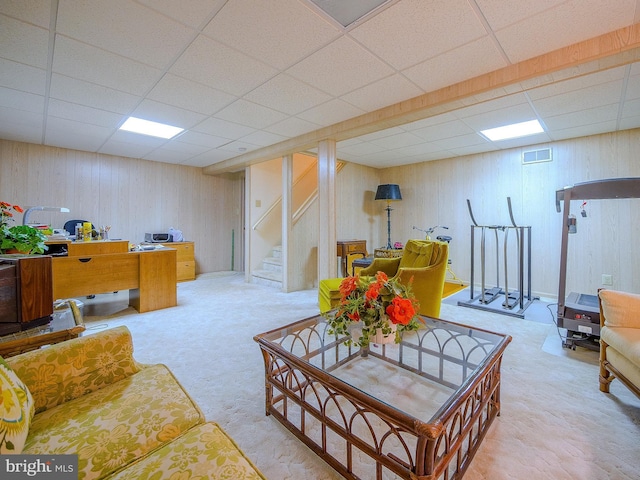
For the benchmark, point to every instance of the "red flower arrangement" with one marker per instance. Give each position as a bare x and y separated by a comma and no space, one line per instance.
6,213
378,305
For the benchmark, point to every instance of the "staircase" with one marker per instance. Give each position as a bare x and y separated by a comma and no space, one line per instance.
271,272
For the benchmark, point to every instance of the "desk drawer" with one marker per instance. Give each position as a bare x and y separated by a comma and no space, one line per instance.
98,248
186,270
77,276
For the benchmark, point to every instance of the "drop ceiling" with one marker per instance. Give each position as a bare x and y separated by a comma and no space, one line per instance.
244,76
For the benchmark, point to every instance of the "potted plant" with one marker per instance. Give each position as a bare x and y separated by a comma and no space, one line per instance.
379,308
18,238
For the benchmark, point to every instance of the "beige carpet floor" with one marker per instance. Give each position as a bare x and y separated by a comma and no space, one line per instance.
555,423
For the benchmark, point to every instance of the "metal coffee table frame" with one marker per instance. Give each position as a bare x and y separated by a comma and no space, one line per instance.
304,396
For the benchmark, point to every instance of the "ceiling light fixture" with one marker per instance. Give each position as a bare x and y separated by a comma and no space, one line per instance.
514,130
147,127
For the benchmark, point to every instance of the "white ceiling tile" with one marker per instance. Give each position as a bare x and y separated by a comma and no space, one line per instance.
582,99
633,88
579,83
341,67
21,100
629,122
20,125
426,26
470,60
569,25
209,62
160,112
65,133
81,113
210,158
330,113
183,93
168,156
108,25
454,128
508,101
238,147
403,139
582,117
583,131
37,12
417,149
359,149
126,149
202,139
461,141
430,121
262,138
631,108
74,59
499,118
382,93
22,77
278,33
250,114
198,11
501,14
92,95
287,94
222,128
23,43
370,137
292,127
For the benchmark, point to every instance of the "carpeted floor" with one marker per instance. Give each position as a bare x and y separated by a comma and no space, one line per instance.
555,423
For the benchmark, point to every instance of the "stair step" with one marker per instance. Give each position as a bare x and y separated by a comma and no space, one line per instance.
267,277
273,264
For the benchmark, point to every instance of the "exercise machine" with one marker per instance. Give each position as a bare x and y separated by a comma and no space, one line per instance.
579,313
511,298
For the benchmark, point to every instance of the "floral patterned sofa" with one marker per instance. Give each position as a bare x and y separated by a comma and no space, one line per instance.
88,396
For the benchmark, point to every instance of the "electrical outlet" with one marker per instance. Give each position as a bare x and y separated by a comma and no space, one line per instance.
607,279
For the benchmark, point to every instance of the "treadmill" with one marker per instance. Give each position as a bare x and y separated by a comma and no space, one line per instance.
579,313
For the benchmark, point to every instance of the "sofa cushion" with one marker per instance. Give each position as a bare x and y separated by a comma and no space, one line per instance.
205,451
620,309
16,410
625,340
117,424
77,367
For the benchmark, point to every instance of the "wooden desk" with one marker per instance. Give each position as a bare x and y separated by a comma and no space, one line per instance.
150,276
348,250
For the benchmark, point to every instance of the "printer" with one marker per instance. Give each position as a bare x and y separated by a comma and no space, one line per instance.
158,238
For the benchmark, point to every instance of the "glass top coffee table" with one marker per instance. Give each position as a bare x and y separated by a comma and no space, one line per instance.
414,410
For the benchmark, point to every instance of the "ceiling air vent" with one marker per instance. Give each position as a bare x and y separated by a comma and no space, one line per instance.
535,156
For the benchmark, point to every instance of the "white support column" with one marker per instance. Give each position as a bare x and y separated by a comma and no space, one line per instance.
327,264
247,225
287,217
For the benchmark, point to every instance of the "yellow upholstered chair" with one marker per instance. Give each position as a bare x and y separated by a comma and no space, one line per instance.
426,262
423,260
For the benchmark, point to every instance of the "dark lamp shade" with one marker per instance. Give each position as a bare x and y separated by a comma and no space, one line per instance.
389,191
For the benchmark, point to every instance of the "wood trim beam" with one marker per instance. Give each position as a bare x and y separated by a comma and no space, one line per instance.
617,48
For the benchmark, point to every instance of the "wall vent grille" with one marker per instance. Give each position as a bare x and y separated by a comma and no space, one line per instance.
536,156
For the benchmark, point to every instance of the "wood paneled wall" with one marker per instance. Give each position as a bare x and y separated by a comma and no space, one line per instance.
435,193
133,196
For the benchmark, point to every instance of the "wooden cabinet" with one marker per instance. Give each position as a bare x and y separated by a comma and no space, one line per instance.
185,254
348,251
26,300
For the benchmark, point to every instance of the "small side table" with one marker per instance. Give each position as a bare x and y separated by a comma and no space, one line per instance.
347,249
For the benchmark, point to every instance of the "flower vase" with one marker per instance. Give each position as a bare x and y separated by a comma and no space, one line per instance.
381,338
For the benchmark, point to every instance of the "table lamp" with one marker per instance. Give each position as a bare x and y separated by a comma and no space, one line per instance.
388,192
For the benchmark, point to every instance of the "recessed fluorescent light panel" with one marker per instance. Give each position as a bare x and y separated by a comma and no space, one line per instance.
514,130
346,12
147,127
